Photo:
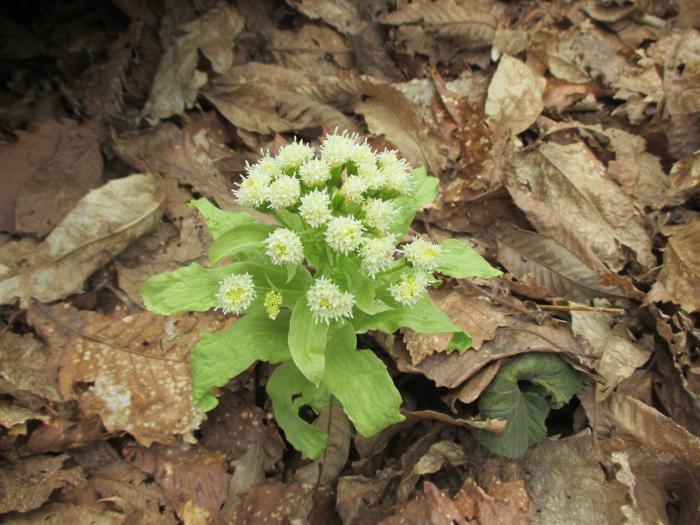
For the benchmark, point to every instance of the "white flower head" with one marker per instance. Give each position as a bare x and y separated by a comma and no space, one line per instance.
396,172
410,288
315,172
294,154
371,175
377,253
284,247
315,208
236,292
283,192
267,167
354,188
379,214
327,301
338,148
252,191
363,154
344,234
423,255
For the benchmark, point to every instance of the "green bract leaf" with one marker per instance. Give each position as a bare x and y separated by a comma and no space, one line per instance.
360,381
307,342
220,221
218,357
458,259
423,191
242,238
289,391
193,288
423,317
523,393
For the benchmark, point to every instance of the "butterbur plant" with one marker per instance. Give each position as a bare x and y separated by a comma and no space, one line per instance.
336,263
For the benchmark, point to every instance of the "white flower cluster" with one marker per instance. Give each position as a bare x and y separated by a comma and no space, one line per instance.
327,301
284,247
236,292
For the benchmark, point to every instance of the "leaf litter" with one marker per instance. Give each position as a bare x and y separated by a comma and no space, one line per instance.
565,137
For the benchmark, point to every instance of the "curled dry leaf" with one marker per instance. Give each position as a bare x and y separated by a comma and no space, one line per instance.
679,280
566,194
177,80
27,483
514,97
194,479
103,223
14,417
136,365
552,266
283,99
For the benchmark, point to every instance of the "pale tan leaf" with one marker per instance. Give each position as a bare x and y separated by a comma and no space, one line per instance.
24,367
137,367
514,98
313,49
177,80
341,14
62,513
14,417
679,280
685,176
266,98
551,265
566,194
103,223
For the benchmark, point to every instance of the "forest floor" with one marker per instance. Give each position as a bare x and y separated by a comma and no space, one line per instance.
566,138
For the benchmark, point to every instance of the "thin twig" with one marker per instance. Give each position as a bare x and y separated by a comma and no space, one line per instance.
580,308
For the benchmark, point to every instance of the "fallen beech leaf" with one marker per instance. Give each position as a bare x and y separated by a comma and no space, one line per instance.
514,97
284,99
552,266
619,356
27,483
177,79
194,479
566,194
103,223
388,112
137,367
679,281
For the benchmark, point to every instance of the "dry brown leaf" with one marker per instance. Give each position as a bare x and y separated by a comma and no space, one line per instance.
103,223
566,194
236,425
362,500
62,513
514,98
274,503
61,434
552,266
568,484
685,177
177,80
194,479
183,154
14,417
136,365
679,280
474,386
24,367
27,483
326,469
341,14
619,356
388,112
641,88
266,98
314,49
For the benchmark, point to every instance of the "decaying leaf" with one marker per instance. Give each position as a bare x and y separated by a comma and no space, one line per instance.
136,366
62,513
24,367
515,96
685,176
273,503
194,479
341,14
103,223
27,483
566,194
314,49
14,417
679,280
177,79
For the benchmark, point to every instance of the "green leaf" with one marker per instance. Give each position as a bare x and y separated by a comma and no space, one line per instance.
242,238
523,393
289,391
193,288
220,221
307,342
218,357
459,260
423,192
360,381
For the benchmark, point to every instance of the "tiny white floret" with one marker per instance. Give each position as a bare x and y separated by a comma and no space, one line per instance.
252,190
294,154
344,234
409,288
338,148
377,253
283,192
315,172
315,208
284,247
236,292
422,254
395,172
327,301
379,214
354,188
